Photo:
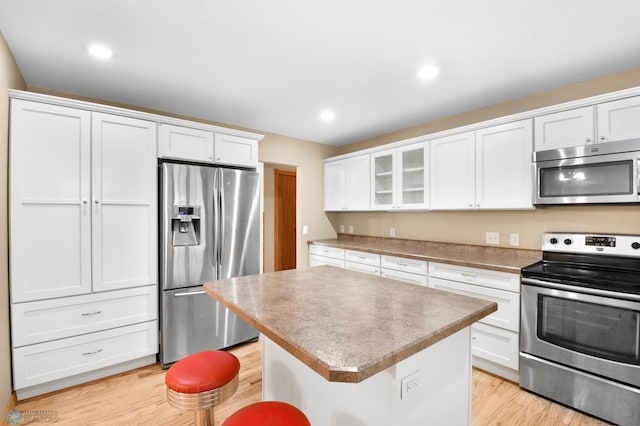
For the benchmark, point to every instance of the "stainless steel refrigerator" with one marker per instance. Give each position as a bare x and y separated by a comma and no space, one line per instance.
209,229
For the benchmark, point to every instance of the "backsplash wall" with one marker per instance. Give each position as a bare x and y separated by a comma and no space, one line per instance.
469,227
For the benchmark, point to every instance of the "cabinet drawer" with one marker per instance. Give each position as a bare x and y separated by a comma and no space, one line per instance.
406,277
327,251
315,260
45,362
475,276
404,264
360,267
508,313
44,320
495,344
363,257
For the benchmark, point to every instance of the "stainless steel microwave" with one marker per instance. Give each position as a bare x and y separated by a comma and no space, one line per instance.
591,174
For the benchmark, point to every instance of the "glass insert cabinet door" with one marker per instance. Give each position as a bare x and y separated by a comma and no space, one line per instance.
399,178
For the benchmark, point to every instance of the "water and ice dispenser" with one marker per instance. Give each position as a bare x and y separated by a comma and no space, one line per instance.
185,225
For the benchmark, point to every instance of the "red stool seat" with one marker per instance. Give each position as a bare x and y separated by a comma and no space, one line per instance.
267,413
202,372
201,381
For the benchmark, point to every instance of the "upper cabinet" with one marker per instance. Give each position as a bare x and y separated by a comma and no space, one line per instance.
453,172
185,143
399,178
346,184
616,120
564,129
486,169
84,184
619,120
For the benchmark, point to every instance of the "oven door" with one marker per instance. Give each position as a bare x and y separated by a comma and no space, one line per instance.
596,333
610,178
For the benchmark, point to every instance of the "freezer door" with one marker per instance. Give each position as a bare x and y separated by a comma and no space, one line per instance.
192,321
186,225
239,222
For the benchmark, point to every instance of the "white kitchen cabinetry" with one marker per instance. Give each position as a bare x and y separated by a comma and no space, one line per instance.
399,178
346,184
495,338
564,129
453,172
83,244
325,255
361,261
184,143
235,150
191,144
486,169
503,166
404,269
619,120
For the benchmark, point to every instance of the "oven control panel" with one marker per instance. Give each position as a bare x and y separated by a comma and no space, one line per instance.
617,245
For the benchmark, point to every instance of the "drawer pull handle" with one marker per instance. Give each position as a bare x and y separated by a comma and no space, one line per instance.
192,293
471,276
92,353
362,257
88,314
401,264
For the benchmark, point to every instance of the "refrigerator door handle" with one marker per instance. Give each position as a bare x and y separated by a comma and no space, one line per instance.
193,293
221,222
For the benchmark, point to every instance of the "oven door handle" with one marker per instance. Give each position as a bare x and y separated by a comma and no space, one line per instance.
585,290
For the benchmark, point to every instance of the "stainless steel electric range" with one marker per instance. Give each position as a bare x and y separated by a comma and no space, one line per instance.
580,324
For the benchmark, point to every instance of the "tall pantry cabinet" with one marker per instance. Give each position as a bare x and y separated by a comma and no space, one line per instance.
83,244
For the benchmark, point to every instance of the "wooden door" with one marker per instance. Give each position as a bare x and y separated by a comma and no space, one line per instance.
284,220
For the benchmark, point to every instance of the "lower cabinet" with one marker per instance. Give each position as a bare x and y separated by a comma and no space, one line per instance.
495,338
65,341
325,255
361,261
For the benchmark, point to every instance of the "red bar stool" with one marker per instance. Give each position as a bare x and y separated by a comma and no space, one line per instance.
267,413
201,381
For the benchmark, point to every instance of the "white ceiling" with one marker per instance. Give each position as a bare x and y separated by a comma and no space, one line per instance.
274,65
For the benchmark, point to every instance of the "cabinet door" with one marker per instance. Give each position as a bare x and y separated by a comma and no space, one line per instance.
235,150
619,120
564,129
453,172
357,174
413,178
124,202
184,143
503,166
383,180
335,182
49,210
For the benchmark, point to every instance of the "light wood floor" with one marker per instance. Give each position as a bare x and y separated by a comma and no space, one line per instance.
138,398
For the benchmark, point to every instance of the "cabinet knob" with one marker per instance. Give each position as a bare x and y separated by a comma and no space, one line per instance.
471,205
85,201
603,137
96,201
588,140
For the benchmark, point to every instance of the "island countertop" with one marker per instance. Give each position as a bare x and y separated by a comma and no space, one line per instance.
345,325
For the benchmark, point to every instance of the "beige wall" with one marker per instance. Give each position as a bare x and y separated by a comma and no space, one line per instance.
470,227
10,78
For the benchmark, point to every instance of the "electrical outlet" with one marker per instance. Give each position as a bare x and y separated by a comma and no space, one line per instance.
351,229
305,230
493,238
410,384
514,239
342,229
392,232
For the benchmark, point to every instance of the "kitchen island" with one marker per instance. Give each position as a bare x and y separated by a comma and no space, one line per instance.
349,348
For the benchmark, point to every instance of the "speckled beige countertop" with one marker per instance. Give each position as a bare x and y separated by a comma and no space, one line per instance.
493,258
345,325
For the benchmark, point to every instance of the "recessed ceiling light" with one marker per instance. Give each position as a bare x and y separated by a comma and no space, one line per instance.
428,72
100,51
327,116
